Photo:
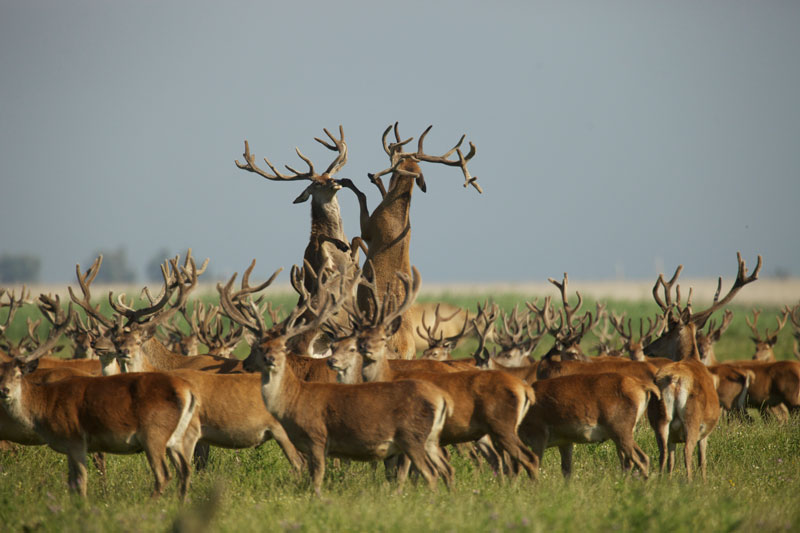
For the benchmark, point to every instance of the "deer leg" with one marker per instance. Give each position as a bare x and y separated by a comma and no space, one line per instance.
76,465
671,456
441,459
99,462
181,465
627,447
701,455
688,452
566,460
201,451
391,468
643,457
316,466
509,442
421,461
288,449
488,451
157,461
401,466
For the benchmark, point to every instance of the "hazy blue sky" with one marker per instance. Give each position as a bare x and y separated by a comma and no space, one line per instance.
614,138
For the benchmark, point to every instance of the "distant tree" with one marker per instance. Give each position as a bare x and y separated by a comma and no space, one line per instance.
15,268
115,268
152,270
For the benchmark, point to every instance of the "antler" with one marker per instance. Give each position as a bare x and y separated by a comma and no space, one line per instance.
208,326
182,278
713,330
59,320
605,337
239,305
700,318
430,333
13,304
484,323
569,331
397,156
619,324
325,300
754,325
85,280
338,145
518,330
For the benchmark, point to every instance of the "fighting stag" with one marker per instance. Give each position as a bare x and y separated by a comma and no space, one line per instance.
328,246
387,230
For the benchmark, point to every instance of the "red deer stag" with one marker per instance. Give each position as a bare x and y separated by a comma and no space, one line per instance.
570,329
689,408
328,245
764,346
583,408
387,230
707,339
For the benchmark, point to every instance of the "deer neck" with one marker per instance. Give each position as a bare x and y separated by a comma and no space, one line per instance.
687,345
326,219
376,369
22,402
279,390
154,356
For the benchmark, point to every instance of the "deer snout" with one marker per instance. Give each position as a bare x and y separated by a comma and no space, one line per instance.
5,392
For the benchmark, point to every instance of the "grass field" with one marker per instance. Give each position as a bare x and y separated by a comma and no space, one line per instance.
753,483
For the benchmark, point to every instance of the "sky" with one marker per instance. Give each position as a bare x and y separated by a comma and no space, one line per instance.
614,140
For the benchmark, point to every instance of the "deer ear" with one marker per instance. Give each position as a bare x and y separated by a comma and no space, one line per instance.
305,195
28,366
394,325
772,341
150,330
421,183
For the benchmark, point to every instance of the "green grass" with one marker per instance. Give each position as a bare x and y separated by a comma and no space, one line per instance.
754,474
753,483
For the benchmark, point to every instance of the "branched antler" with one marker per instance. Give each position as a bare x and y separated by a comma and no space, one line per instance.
397,156
339,145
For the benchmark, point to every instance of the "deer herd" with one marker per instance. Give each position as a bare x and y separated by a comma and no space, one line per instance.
339,375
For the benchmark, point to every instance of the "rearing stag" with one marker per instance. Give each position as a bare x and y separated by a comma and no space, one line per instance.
387,230
327,245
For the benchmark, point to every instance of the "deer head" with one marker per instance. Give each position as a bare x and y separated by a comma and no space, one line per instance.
678,341
635,347
569,329
439,346
706,339
517,337
765,344
313,309
383,317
